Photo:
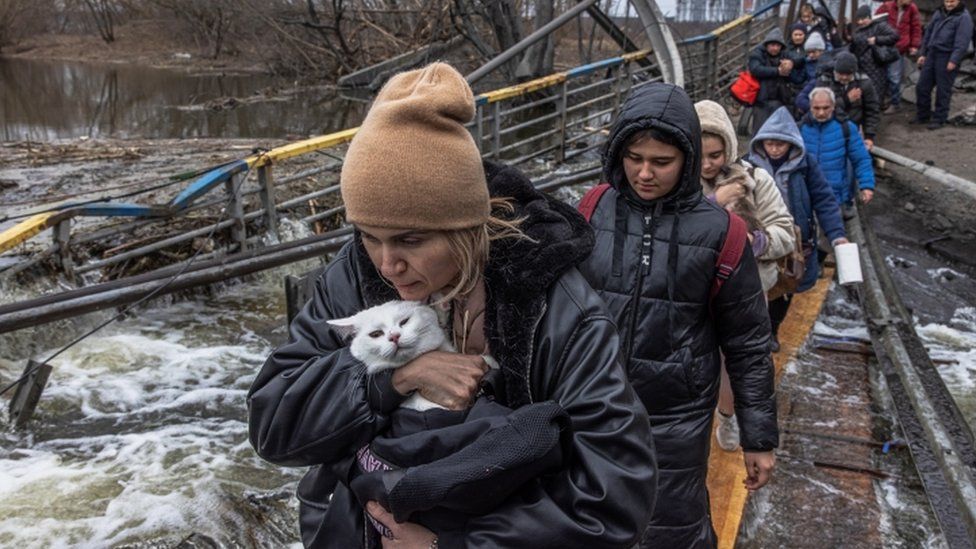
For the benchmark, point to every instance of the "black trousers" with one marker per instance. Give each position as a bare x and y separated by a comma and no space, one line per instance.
761,112
934,74
777,311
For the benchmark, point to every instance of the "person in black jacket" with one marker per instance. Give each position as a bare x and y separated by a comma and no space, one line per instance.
944,44
773,68
874,38
435,224
857,99
657,242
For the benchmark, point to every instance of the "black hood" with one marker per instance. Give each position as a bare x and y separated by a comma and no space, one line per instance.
668,109
561,238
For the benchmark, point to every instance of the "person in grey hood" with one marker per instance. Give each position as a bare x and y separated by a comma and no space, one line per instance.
772,67
657,241
778,148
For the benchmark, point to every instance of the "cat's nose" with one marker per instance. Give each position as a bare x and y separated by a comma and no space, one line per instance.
394,338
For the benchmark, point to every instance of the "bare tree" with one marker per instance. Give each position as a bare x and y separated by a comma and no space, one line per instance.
502,19
213,20
13,14
538,59
103,14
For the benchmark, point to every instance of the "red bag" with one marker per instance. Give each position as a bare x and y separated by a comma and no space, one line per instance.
745,88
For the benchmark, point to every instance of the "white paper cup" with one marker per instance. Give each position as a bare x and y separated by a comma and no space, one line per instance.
848,263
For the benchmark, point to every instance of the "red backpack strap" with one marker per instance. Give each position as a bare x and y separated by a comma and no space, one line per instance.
728,259
592,197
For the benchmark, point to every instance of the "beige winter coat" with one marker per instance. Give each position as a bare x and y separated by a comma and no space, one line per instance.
763,200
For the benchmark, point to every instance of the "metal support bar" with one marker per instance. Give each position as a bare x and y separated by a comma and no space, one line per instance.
58,307
617,92
662,42
616,33
28,393
479,128
496,130
709,76
62,235
792,14
235,210
934,444
518,48
158,245
267,193
561,154
713,69
954,182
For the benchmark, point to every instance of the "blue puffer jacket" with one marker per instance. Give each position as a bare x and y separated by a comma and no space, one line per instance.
806,192
825,142
948,33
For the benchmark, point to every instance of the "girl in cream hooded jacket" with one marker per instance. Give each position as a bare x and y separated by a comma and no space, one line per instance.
762,206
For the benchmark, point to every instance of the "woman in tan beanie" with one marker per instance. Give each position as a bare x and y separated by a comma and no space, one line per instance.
434,223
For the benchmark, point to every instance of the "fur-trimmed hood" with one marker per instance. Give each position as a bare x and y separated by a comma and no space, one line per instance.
518,274
714,119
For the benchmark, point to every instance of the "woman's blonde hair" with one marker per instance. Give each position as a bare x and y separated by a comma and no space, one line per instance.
470,248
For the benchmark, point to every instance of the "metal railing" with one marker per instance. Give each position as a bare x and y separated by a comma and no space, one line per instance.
713,60
558,117
555,116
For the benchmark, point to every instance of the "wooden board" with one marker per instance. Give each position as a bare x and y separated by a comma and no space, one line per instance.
726,470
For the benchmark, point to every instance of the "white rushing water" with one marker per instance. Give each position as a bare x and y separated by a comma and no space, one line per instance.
142,432
953,348
141,435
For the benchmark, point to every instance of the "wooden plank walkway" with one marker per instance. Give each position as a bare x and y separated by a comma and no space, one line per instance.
726,470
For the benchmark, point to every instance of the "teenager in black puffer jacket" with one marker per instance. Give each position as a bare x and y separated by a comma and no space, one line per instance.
657,242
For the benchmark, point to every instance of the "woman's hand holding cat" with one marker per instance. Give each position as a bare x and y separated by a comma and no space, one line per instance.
449,379
727,194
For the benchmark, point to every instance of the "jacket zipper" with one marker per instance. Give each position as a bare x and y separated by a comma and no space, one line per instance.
647,240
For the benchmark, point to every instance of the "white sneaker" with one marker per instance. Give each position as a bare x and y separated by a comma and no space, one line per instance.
727,433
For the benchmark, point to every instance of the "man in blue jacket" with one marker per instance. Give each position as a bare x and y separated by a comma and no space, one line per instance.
836,145
857,98
945,43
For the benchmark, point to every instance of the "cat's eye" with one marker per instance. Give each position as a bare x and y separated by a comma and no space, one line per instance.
404,321
376,333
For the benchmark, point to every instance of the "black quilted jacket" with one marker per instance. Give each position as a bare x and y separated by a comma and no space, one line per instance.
554,341
653,263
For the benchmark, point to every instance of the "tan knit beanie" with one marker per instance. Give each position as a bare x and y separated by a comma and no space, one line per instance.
413,164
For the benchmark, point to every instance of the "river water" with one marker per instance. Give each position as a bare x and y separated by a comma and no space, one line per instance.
141,437
46,100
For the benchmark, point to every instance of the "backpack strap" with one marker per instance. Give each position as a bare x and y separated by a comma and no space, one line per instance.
590,200
728,259
846,130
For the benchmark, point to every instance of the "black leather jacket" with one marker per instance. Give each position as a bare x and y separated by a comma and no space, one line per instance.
653,264
550,333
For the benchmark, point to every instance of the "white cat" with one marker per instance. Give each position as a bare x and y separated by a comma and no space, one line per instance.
390,335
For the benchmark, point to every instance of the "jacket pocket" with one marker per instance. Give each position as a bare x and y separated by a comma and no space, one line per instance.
664,384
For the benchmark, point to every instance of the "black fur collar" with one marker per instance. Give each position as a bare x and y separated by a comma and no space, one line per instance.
518,275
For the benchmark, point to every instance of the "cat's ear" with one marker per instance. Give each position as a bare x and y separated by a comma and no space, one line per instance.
345,327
